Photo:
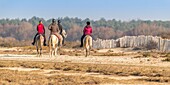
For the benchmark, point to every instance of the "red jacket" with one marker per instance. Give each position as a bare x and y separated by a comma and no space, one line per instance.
40,29
87,30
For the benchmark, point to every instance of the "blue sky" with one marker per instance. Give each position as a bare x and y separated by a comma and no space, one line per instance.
93,9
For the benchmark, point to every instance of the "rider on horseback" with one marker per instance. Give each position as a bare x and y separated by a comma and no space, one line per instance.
61,30
87,31
54,28
41,30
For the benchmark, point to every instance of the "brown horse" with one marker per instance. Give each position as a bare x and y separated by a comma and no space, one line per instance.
39,44
53,45
87,44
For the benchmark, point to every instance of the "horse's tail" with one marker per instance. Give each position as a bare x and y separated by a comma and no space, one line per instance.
41,38
85,42
90,41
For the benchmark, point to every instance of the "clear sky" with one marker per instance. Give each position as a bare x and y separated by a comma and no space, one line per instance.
93,9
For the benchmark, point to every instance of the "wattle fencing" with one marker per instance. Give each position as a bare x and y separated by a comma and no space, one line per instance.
134,41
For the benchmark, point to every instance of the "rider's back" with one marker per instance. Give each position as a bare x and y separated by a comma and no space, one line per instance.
54,28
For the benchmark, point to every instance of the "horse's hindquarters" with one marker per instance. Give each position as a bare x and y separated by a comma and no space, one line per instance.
87,44
39,44
53,45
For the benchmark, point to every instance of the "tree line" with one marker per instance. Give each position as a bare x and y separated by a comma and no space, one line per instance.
25,29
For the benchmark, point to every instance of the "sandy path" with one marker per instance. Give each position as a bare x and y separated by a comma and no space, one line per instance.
123,60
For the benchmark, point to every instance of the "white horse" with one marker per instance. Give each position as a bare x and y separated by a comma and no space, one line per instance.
64,34
39,44
53,45
87,44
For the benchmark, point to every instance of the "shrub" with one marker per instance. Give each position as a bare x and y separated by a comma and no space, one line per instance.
151,45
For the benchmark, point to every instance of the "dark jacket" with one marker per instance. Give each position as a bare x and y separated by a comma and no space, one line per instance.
53,28
60,28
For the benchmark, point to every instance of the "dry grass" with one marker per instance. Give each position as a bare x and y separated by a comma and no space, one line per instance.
154,74
167,57
32,78
152,54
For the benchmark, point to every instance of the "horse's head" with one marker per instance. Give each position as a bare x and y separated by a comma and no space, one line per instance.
64,33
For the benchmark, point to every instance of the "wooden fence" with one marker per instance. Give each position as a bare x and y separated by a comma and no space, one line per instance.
134,41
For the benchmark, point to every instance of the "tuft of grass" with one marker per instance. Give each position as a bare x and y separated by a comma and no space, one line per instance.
167,59
110,51
167,55
146,54
110,54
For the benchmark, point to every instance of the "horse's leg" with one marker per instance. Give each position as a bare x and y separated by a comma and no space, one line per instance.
37,46
90,45
50,52
86,53
56,50
37,52
89,51
40,52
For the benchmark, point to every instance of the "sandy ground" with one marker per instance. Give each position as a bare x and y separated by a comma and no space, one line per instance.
59,72
129,60
125,60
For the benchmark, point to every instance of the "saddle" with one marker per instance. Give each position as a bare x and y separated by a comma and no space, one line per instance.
56,36
87,36
39,36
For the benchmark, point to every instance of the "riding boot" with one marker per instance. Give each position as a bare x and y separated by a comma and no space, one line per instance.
44,40
82,40
34,39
